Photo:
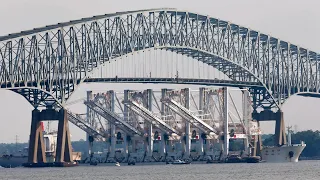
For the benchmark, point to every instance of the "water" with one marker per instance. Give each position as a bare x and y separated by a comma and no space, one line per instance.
304,170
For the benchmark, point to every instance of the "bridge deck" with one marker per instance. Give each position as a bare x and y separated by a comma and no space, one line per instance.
217,82
208,82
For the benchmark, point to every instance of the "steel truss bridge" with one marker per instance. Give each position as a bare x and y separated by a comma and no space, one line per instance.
46,64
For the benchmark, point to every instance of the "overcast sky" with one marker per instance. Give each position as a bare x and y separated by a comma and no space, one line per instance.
291,20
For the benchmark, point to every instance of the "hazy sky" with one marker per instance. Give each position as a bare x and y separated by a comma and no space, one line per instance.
291,20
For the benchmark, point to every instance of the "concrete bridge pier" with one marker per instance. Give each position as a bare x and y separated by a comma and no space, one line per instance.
37,156
64,149
268,115
280,130
36,143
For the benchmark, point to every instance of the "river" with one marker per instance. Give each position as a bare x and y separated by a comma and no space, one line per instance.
304,170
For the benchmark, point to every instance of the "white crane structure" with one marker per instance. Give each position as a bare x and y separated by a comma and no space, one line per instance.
170,124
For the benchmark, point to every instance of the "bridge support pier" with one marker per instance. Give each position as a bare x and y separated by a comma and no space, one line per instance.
36,144
268,115
64,149
37,156
280,131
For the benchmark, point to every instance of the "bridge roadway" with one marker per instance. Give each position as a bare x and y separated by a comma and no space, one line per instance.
189,81
150,80
207,82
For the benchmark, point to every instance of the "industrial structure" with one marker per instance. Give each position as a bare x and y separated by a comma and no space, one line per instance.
47,64
171,124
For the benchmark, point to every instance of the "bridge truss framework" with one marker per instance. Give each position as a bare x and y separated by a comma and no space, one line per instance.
46,64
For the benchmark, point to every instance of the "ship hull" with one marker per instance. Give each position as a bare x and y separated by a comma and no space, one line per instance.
17,161
12,162
282,154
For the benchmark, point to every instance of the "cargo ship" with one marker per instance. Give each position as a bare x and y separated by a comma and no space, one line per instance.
286,153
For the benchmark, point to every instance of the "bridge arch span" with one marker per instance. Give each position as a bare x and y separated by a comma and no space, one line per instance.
61,56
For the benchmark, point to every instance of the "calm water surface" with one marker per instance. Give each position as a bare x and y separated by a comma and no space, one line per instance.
304,170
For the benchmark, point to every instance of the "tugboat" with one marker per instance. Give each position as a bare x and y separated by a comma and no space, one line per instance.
234,159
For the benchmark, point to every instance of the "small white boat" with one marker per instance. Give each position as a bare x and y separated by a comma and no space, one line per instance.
178,162
117,164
